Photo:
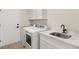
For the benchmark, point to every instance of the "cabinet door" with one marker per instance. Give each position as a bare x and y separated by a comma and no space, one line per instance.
37,14
45,43
50,42
44,13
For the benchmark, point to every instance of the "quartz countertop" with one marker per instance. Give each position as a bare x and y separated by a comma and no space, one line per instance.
32,29
74,40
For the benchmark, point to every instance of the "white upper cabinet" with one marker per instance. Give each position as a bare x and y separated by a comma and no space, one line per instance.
38,14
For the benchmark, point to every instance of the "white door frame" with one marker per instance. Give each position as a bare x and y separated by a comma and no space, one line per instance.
9,21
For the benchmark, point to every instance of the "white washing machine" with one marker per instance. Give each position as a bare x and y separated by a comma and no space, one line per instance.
32,37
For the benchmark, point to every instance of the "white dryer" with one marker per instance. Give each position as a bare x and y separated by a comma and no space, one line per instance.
32,36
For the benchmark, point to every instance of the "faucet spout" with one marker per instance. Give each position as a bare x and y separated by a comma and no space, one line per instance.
64,29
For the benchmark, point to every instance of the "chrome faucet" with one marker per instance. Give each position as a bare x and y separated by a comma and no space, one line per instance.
64,29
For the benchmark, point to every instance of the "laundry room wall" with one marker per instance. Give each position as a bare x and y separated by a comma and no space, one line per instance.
68,17
24,16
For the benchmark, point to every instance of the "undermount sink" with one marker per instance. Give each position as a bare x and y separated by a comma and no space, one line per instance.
61,35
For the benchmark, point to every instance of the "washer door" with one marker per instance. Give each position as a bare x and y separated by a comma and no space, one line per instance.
28,39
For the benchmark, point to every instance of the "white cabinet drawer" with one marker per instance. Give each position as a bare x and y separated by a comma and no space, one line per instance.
50,42
45,44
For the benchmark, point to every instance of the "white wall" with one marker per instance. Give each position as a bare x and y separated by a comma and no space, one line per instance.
24,16
70,18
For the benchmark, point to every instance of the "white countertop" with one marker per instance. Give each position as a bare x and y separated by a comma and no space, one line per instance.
32,29
74,40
